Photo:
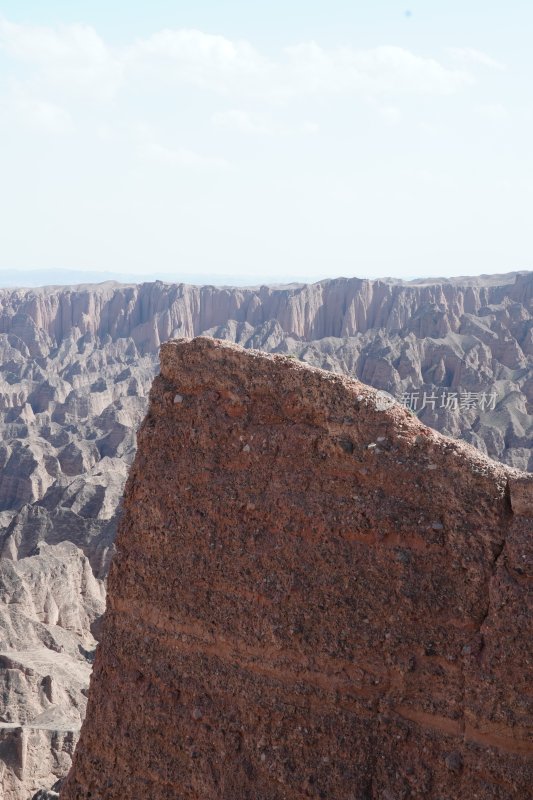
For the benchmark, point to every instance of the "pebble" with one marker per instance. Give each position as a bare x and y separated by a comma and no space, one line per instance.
454,761
178,398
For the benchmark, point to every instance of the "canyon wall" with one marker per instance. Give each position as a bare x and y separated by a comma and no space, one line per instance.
460,342
152,313
311,597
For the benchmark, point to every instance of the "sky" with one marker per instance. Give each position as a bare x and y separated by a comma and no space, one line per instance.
260,142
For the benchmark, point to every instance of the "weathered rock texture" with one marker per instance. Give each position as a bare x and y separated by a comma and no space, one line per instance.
67,423
463,335
310,598
48,602
76,364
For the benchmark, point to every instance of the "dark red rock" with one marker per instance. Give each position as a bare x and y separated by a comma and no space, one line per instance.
311,598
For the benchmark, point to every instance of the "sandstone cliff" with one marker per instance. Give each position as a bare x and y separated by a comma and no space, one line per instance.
311,598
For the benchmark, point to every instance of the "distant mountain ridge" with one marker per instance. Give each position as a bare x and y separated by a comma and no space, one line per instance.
15,278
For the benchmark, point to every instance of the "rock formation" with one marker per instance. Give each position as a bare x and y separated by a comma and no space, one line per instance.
48,602
311,597
464,335
68,434
76,365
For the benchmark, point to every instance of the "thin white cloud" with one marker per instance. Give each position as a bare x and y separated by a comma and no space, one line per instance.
197,58
70,57
60,71
472,57
75,56
376,71
180,157
65,43
23,109
218,63
46,116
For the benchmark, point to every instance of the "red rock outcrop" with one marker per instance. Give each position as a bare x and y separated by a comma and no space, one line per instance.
311,598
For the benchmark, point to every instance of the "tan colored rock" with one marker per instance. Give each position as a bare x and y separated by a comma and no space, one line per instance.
30,755
311,598
48,603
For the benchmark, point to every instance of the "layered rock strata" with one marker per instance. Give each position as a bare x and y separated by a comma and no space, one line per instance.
311,597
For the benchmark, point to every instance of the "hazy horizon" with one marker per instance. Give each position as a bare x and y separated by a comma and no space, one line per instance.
284,145
71,278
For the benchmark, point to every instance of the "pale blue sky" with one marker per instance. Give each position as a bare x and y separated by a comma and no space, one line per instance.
277,141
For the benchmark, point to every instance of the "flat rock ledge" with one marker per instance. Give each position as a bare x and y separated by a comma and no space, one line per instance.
311,598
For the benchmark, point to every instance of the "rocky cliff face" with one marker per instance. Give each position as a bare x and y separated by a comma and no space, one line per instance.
76,365
344,307
311,597
47,603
